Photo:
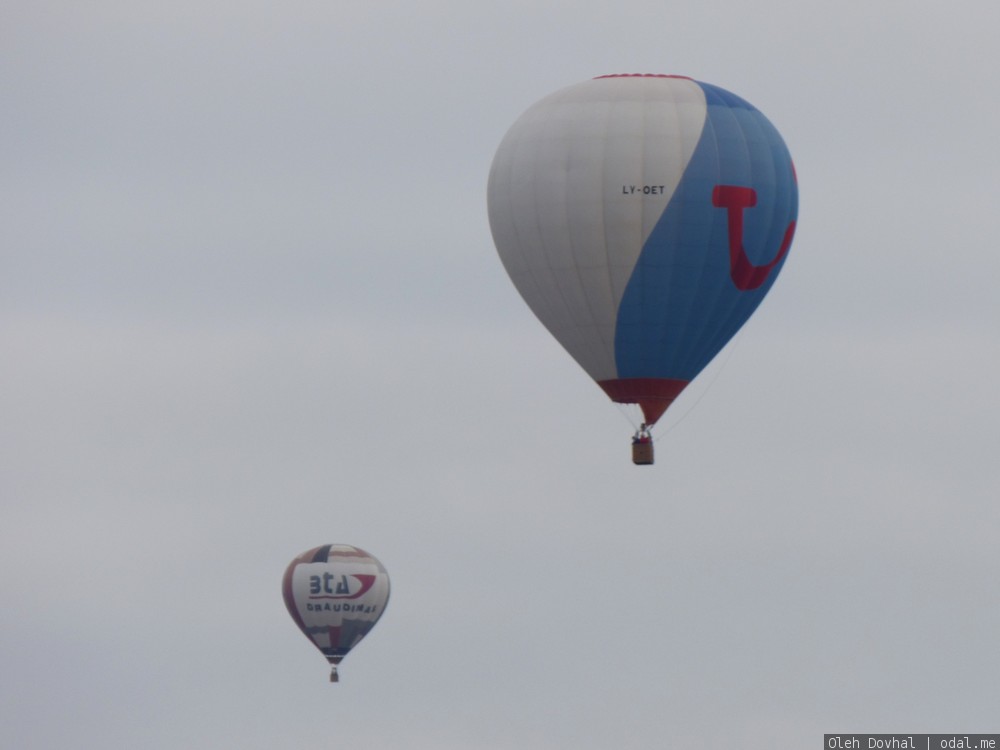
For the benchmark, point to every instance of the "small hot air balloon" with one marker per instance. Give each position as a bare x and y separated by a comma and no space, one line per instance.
642,218
335,594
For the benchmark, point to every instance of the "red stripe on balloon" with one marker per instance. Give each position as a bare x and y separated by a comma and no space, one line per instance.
653,395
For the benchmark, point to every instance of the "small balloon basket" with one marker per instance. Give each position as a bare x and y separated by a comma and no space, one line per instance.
642,447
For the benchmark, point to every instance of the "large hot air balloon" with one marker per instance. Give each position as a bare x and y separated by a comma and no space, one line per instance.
335,594
642,218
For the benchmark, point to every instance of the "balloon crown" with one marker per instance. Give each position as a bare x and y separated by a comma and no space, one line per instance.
641,75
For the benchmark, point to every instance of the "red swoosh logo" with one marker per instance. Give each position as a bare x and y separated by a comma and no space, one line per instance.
365,579
745,275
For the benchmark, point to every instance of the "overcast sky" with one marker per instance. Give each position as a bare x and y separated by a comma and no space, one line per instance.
249,304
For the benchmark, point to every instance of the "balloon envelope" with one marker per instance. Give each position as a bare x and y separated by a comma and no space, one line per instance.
642,218
335,593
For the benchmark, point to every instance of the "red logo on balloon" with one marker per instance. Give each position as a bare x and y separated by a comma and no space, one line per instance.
322,587
745,275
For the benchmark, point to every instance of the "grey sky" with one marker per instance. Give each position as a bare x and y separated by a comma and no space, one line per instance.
249,304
